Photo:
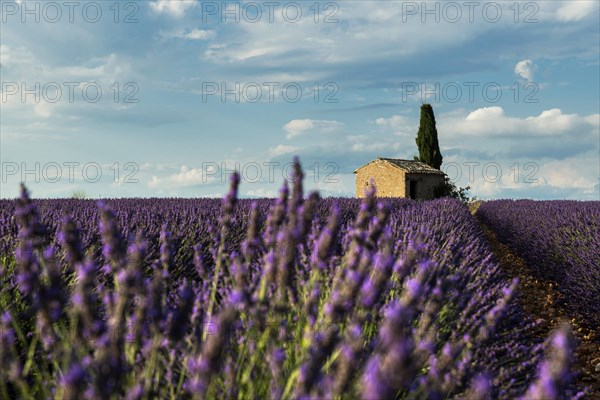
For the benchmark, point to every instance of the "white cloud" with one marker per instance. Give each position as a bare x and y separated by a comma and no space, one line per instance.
525,69
43,109
194,34
10,56
553,121
565,174
593,120
492,121
484,113
366,30
576,10
185,177
229,54
262,192
376,146
108,69
4,53
175,8
214,51
282,149
25,70
33,137
370,144
399,124
23,65
299,127
200,34
334,183
568,178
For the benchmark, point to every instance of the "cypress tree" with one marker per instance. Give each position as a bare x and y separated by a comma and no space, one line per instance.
427,138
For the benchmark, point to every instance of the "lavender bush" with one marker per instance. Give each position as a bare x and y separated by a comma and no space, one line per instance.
298,297
560,240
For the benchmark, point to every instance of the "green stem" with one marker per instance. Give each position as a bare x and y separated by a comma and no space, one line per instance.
181,376
149,372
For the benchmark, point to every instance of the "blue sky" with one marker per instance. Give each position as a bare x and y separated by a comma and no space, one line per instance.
514,86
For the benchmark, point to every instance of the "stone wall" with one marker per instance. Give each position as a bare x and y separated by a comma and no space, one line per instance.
390,181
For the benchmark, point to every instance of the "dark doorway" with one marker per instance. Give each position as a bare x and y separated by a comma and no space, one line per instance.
413,190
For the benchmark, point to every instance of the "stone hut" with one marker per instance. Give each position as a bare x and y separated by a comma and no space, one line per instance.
399,178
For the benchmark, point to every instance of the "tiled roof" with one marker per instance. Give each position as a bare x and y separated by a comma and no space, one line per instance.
409,166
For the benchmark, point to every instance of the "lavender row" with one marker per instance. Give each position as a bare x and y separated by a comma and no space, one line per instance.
560,241
190,221
293,298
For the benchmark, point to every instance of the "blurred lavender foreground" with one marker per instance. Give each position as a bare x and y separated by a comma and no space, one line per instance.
323,298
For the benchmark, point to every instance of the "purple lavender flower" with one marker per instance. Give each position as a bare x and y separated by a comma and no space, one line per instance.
28,277
69,237
136,392
179,318
28,220
91,324
252,243
277,216
481,388
210,361
322,345
113,245
374,384
394,365
166,249
275,360
326,245
74,382
8,357
344,372
553,374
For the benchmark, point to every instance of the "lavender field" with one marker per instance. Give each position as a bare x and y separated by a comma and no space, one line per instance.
560,240
159,238
298,297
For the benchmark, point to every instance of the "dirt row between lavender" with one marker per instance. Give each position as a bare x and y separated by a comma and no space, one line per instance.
538,298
